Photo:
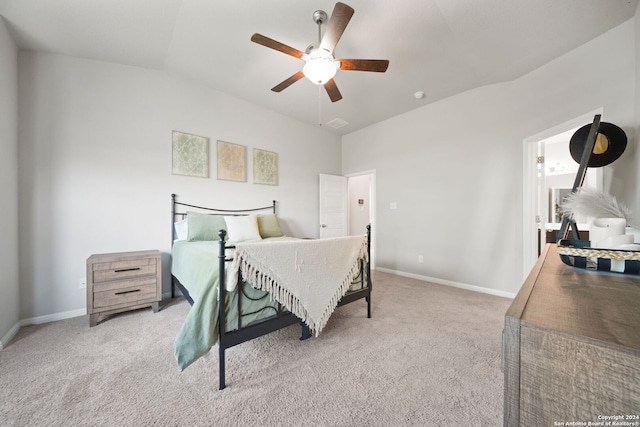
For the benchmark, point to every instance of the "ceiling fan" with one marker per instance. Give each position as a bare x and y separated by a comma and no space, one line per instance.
320,64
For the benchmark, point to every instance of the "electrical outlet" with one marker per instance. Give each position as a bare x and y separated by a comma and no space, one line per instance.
420,259
82,283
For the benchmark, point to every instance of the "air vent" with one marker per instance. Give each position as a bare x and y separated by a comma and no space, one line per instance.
337,123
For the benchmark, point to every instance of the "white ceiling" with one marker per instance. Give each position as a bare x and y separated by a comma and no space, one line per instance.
441,47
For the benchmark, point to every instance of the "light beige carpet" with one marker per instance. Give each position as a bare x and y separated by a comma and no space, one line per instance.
429,356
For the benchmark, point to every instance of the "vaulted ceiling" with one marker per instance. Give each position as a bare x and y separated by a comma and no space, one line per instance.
441,47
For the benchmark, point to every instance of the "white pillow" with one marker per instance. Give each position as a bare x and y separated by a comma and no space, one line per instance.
182,229
242,228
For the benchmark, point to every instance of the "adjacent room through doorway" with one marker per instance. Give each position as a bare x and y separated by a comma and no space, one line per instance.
549,174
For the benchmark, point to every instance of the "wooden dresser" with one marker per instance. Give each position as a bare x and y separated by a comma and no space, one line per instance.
123,281
571,347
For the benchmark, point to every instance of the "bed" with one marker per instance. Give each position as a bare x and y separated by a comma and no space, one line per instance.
267,280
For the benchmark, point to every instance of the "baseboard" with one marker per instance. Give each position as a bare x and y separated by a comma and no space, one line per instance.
53,317
38,320
167,295
448,283
9,336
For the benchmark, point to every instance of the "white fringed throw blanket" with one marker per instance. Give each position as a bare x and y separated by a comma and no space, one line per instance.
308,277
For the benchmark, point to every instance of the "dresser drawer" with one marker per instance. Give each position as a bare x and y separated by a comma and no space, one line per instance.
133,291
118,270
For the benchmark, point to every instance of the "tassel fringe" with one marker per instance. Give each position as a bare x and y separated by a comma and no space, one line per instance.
259,280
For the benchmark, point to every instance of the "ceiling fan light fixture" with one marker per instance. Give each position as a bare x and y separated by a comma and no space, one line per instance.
319,67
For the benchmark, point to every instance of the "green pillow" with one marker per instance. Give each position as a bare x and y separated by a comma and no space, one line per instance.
204,226
269,226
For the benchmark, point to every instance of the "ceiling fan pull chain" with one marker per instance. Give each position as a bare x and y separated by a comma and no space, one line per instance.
320,105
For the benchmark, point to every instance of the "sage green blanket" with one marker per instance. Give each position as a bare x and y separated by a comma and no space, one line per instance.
195,265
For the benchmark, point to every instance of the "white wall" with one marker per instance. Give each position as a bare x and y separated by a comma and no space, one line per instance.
95,167
9,296
454,168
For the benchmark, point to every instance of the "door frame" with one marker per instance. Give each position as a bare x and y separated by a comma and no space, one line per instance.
372,210
530,182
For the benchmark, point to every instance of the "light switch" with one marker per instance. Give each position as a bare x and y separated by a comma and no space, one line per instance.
393,205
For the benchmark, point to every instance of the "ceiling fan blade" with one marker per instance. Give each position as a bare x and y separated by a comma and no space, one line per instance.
270,43
337,23
375,65
332,90
288,82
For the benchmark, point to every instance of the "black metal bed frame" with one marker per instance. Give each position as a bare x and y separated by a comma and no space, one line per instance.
281,317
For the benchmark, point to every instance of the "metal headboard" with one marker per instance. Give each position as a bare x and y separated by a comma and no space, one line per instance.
176,215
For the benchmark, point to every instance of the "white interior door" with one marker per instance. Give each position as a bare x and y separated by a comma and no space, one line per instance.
333,206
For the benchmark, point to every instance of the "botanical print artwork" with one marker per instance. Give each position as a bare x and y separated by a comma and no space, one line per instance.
232,163
265,167
190,155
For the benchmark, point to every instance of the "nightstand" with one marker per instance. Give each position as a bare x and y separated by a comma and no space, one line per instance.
123,281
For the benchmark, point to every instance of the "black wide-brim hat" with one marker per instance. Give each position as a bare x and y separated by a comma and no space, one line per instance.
605,151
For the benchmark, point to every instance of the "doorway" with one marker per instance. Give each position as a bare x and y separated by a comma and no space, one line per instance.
347,205
361,202
549,174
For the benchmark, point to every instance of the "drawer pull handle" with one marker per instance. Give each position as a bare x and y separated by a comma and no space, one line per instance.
127,269
127,292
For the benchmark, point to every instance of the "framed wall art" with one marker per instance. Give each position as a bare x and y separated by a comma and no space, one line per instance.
232,161
265,167
190,154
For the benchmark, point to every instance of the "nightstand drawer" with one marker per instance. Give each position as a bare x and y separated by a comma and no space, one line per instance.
106,271
134,291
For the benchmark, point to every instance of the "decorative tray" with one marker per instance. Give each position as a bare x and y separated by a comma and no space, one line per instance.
578,253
